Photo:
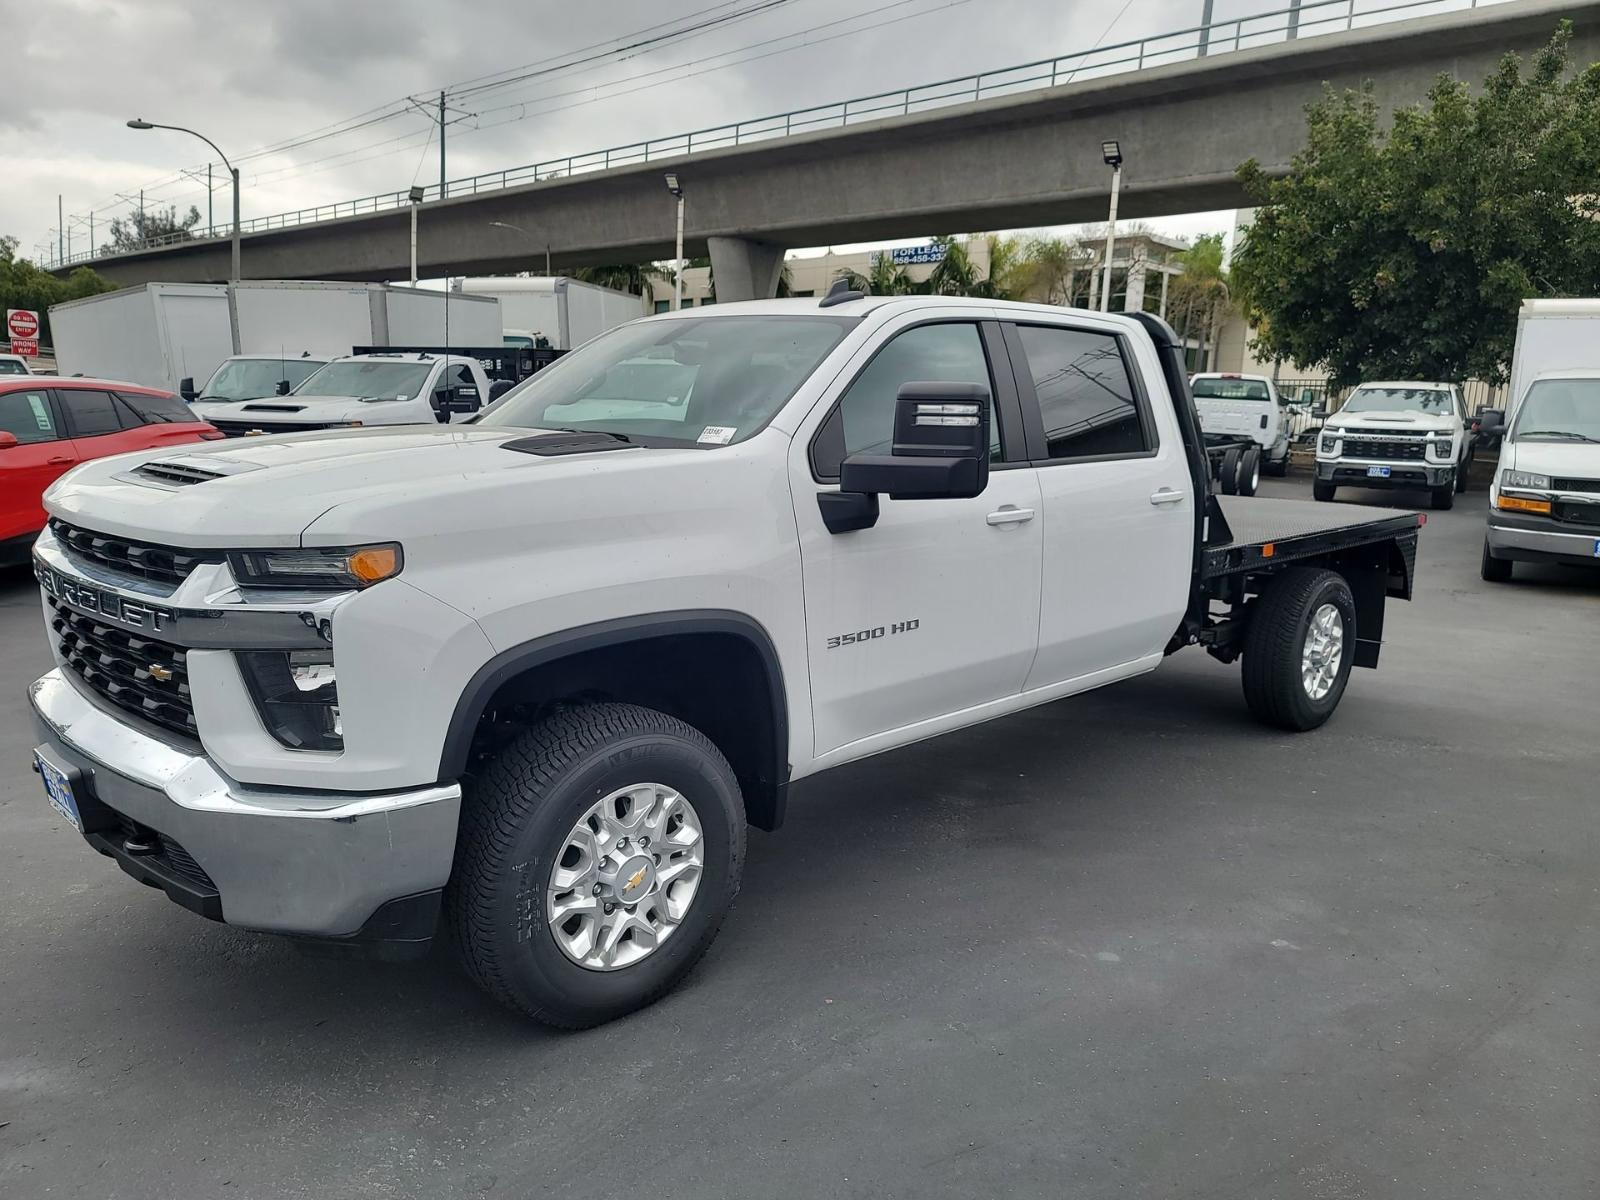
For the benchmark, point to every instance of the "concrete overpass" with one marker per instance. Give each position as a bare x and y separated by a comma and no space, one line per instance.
1023,160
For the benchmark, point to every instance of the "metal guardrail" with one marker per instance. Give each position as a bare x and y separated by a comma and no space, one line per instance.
1313,17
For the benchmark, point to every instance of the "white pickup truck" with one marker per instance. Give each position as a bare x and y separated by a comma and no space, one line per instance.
360,390
1397,435
537,673
1245,410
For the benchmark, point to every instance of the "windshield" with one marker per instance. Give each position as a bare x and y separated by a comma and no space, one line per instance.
1435,402
367,380
253,378
12,366
1560,410
518,339
707,381
1230,389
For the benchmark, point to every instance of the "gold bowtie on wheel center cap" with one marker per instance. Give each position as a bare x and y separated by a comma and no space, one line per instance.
634,879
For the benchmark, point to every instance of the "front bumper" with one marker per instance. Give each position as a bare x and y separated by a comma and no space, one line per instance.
1407,474
327,865
1531,538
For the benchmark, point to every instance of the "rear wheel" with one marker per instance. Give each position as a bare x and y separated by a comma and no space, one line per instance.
597,856
1322,491
1249,471
1299,648
1228,472
1495,570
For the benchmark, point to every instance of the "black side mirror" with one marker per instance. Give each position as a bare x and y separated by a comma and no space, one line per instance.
1491,421
499,388
186,387
282,389
941,446
1320,413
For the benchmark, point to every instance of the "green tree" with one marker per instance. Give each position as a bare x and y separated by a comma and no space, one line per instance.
885,278
153,224
24,285
1407,254
637,279
1202,297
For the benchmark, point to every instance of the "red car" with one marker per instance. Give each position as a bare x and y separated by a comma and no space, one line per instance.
49,425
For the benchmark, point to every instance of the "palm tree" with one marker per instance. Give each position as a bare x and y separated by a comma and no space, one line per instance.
954,275
886,278
637,279
1200,298
1051,265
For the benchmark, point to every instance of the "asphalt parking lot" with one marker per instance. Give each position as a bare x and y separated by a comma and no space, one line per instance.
1129,944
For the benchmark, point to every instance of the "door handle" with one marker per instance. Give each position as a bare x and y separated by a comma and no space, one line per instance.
1010,516
58,462
1165,496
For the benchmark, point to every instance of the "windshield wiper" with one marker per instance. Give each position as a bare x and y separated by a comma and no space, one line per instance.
1563,434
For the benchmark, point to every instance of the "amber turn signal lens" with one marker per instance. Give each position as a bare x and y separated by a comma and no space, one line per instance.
375,563
1521,504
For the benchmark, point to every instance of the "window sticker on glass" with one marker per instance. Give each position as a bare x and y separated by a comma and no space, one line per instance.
717,435
41,414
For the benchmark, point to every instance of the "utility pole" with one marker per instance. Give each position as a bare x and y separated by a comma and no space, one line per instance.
61,230
442,192
211,221
1205,27
1294,19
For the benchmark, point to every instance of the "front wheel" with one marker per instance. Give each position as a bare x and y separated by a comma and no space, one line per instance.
1322,491
1442,498
597,856
1492,569
1299,648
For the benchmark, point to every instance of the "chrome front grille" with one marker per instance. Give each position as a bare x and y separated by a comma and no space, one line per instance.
163,564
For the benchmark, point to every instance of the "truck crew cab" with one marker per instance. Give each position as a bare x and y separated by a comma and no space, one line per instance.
360,390
541,670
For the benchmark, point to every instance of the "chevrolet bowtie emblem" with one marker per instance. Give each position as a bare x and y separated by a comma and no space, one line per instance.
159,673
634,880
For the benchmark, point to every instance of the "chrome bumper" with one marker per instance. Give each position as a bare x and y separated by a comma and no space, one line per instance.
1508,541
290,861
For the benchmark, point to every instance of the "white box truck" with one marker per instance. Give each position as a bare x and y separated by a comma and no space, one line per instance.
565,312
162,333
1552,335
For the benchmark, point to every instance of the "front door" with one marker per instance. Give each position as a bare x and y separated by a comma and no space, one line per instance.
935,608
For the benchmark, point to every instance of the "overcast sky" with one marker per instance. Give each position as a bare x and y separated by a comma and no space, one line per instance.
250,75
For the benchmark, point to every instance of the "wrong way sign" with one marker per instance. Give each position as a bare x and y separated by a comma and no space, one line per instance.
22,329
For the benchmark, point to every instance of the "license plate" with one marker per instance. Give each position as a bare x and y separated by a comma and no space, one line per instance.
1378,472
1597,547
58,788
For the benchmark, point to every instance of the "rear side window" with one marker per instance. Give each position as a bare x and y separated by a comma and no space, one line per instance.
28,416
90,413
1230,389
141,409
1086,396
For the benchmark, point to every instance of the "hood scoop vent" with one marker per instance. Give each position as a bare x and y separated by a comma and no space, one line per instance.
551,445
272,408
186,472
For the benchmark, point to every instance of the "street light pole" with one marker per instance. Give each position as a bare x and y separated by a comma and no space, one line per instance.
677,274
140,123
415,196
1112,152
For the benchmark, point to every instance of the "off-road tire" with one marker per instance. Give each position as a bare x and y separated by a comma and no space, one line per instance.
1273,643
516,816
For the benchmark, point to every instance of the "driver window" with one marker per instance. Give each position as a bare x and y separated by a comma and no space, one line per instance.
28,416
949,352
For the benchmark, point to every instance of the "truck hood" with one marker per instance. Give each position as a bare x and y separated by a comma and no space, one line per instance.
270,409
1391,422
1559,460
266,491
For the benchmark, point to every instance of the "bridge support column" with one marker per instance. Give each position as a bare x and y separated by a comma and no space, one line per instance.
745,269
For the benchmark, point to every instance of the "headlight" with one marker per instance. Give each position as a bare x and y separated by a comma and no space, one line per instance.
1525,479
1329,442
297,695
342,567
1442,447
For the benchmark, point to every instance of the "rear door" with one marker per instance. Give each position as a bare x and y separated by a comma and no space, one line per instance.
935,608
103,423
1118,508
43,452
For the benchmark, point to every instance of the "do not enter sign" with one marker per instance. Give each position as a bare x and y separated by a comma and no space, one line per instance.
22,329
